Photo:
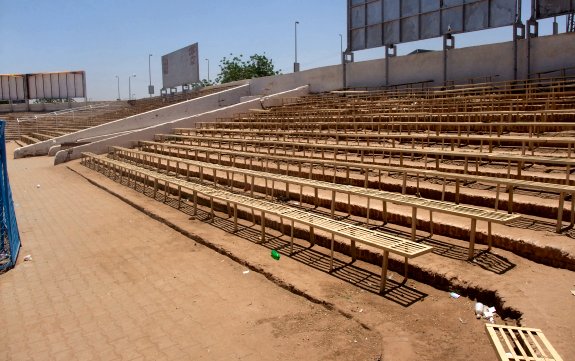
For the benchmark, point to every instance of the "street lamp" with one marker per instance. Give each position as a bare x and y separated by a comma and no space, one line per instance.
341,47
150,87
117,77
208,60
130,85
296,64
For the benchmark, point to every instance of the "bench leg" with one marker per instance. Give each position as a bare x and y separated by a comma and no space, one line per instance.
332,203
212,216
235,217
406,269
510,202
367,210
331,253
384,215
430,223
413,223
291,240
572,210
311,236
489,236
263,224
560,212
472,239
384,271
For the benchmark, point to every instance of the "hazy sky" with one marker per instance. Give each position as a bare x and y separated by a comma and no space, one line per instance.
114,37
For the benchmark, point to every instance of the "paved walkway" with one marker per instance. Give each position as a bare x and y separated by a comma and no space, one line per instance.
106,282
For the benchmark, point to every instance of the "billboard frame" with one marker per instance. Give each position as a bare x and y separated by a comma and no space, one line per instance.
187,67
378,23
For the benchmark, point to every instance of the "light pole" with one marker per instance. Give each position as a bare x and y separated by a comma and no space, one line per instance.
208,60
341,47
150,89
296,64
117,77
130,85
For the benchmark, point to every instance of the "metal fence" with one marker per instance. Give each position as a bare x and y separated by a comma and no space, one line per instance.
9,235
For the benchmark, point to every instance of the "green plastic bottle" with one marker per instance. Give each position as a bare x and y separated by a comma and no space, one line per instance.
275,255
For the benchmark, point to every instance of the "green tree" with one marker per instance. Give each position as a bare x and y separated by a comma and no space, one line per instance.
236,68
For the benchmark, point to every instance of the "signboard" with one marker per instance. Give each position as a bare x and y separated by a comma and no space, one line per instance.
549,8
63,85
375,23
181,67
12,87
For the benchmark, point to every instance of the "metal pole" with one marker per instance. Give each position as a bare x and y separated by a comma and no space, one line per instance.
150,72
130,84
297,22
341,47
295,64
119,98
208,60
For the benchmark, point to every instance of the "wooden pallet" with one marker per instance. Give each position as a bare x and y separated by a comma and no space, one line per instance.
521,343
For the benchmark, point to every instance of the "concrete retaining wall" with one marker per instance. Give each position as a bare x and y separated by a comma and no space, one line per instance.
128,139
547,53
143,120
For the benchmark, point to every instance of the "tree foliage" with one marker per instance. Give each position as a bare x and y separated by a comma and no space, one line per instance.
237,68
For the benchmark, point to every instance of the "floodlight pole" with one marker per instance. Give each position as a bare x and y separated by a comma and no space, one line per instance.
448,44
296,64
150,74
208,60
130,86
341,47
117,77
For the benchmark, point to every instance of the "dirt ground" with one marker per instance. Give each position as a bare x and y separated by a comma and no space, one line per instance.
127,277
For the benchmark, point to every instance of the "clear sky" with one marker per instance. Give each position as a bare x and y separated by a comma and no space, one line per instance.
114,37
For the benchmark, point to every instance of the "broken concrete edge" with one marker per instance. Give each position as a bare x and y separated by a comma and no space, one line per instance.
148,133
417,272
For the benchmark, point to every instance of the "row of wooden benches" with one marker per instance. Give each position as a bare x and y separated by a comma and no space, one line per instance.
183,166
290,114
377,154
451,141
301,166
439,105
531,129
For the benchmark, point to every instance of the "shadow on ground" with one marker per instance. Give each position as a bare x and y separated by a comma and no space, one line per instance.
397,292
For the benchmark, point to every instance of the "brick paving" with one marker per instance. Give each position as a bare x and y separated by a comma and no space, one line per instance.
107,283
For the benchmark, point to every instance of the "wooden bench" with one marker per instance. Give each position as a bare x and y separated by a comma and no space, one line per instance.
520,343
383,241
509,184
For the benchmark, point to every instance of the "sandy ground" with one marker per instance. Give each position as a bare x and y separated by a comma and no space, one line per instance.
109,282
